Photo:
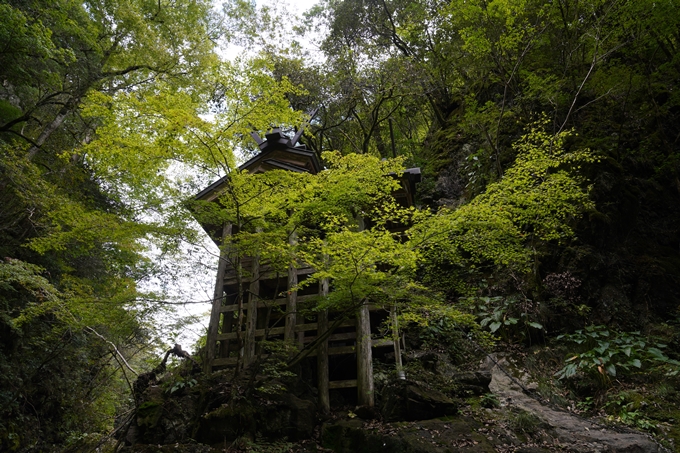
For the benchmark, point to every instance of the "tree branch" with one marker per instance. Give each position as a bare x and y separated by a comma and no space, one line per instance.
115,349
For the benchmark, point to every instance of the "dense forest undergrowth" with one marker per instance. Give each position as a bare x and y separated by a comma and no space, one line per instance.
547,228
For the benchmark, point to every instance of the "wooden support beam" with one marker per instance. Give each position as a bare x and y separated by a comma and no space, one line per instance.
334,337
251,316
280,330
228,323
259,333
383,342
343,384
218,295
397,343
231,361
268,303
322,358
232,280
364,352
291,306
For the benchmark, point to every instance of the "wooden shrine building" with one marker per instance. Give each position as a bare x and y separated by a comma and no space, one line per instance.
344,360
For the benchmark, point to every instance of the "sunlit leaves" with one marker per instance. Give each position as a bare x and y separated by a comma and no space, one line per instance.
538,199
324,211
153,149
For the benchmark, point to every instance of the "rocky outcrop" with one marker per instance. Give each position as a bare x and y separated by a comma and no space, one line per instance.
577,434
404,400
192,412
473,382
275,417
218,409
162,417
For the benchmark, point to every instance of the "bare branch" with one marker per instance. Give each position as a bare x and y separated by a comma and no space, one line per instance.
115,349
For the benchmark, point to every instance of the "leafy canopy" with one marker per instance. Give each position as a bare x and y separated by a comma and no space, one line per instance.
536,201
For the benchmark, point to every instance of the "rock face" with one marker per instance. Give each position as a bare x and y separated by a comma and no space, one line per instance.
410,400
215,410
218,410
281,416
578,434
163,420
474,382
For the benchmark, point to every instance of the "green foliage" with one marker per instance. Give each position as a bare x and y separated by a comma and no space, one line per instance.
46,345
471,76
323,211
489,401
152,152
274,366
524,422
439,325
262,446
70,306
112,113
626,408
605,353
507,228
180,384
512,316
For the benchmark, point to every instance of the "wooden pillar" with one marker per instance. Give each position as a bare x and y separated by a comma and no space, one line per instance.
251,316
397,343
227,327
364,349
322,356
291,304
364,357
218,295
301,334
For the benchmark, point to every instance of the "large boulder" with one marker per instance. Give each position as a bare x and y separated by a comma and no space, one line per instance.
472,382
163,418
288,416
272,417
411,400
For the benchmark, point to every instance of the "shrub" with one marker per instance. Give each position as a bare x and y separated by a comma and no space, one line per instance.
605,354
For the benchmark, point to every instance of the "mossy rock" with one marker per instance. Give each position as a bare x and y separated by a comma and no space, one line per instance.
149,413
280,416
411,400
227,423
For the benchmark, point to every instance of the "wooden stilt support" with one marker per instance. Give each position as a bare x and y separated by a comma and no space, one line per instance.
397,343
251,316
291,306
322,357
364,357
363,348
227,327
218,295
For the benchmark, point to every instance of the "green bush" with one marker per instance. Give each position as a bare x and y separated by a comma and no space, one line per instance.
603,353
512,317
